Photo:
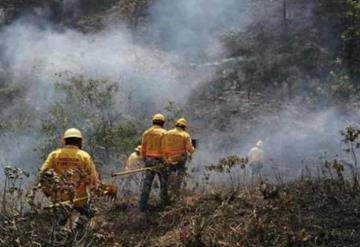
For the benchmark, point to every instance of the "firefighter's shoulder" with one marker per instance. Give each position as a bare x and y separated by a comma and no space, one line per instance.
84,154
149,130
171,131
183,133
55,152
155,130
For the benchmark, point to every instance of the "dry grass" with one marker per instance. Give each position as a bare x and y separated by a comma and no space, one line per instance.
308,212
313,210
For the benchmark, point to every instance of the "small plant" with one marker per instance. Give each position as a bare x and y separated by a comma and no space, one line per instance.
351,139
13,186
225,164
337,166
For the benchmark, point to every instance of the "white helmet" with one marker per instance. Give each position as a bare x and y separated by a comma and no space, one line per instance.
260,144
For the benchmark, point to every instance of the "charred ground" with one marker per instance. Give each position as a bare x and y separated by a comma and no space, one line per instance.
307,212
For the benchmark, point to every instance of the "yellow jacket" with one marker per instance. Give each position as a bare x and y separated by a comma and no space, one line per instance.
134,161
176,144
151,142
83,174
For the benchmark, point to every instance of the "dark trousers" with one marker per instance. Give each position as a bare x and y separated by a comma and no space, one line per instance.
177,175
148,180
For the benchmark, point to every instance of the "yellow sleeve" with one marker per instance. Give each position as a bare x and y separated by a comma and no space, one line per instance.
49,163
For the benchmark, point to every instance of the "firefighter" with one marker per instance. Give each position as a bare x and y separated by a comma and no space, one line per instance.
74,167
177,147
151,152
135,160
256,158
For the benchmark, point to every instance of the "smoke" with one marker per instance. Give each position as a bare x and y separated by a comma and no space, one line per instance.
192,28
291,137
296,140
39,54
297,133
36,52
153,67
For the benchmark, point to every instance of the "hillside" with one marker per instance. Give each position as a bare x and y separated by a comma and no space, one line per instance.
286,72
308,212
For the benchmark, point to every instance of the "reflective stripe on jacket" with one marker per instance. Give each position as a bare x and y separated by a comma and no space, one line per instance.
151,142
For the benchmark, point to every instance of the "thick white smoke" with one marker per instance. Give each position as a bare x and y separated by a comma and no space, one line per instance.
154,68
192,28
39,54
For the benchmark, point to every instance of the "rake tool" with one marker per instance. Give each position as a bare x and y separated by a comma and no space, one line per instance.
124,173
107,190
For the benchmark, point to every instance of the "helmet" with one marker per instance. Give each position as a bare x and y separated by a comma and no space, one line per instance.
260,144
72,133
181,122
158,117
138,148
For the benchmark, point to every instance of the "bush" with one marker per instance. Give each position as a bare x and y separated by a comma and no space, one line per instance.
91,106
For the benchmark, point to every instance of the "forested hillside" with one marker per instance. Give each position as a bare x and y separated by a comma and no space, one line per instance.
286,72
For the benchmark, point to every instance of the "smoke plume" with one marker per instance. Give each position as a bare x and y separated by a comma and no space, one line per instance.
154,68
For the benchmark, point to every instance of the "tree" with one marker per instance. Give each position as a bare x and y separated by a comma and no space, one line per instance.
91,106
351,39
342,17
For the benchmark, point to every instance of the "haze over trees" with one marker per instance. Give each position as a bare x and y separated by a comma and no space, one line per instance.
283,71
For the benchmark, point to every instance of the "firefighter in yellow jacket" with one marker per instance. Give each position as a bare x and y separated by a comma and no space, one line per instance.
152,155
176,147
74,167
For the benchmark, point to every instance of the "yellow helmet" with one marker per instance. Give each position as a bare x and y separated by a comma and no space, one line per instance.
72,133
181,122
159,117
